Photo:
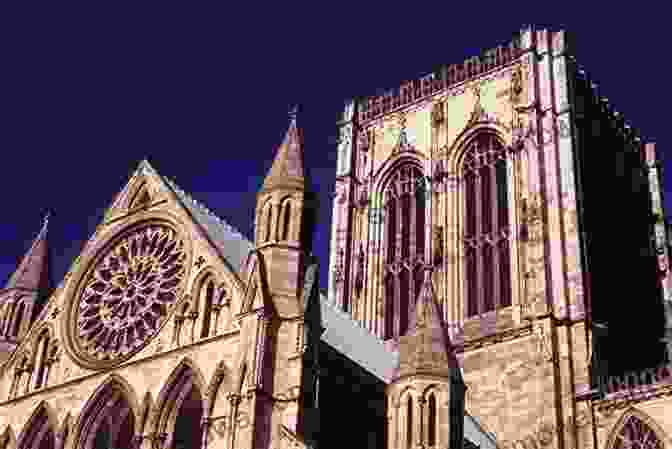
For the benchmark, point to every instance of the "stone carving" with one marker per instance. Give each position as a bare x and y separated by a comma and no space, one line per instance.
516,85
438,113
543,343
127,295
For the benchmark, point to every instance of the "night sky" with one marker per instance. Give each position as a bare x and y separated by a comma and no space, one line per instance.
88,92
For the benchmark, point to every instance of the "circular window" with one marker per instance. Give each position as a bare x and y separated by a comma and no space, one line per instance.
125,296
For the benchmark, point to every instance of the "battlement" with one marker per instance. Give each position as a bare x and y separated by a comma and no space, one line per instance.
585,85
372,107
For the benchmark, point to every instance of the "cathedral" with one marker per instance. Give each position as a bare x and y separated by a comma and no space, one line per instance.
491,223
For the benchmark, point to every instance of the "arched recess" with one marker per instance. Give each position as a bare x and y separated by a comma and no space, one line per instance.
20,312
220,380
264,225
486,191
205,293
180,408
64,432
145,414
432,397
39,431
109,417
402,188
7,439
637,430
43,346
285,220
21,374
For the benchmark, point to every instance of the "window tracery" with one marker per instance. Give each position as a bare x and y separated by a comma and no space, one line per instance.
486,226
404,204
126,296
636,434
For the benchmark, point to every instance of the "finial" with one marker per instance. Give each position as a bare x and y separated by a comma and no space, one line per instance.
45,220
293,112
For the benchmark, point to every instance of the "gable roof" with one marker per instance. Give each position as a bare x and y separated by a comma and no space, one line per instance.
231,243
356,343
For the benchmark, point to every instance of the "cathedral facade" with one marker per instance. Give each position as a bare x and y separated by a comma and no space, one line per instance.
471,298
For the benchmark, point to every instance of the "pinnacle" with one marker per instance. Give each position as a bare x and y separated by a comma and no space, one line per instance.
287,168
425,347
32,272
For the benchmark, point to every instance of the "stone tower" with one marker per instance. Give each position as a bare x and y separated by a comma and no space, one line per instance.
25,293
484,171
270,363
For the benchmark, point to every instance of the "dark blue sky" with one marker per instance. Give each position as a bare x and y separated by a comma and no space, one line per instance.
88,92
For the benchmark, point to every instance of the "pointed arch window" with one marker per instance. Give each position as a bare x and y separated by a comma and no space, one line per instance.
431,420
486,226
636,434
409,422
18,318
404,210
285,220
43,345
207,299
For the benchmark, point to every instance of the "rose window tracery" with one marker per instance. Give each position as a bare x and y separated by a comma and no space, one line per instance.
636,434
126,296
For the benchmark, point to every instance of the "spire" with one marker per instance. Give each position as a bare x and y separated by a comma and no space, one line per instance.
287,168
33,270
425,348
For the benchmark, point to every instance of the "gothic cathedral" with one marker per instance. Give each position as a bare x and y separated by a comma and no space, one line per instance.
489,219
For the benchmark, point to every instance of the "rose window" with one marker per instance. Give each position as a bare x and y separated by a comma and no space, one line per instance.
126,297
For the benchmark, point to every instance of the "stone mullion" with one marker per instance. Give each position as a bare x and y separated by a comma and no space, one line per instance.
478,250
376,272
398,255
412,252
497,300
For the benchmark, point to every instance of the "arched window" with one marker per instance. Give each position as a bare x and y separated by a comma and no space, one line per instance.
107,419
42,359
431,420
486,226
409,422
180,410
38,433
285,220
266,222
207,298
18,318
636,434
404,203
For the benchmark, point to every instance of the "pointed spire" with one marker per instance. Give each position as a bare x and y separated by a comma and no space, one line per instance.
287,168
33,270
425,349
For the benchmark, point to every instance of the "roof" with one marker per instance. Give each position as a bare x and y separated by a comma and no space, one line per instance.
232,244
356,343
32,272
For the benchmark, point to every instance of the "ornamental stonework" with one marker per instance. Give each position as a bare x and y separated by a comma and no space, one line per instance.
126,296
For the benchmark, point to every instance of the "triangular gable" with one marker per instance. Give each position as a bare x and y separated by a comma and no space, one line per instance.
147,184
256,292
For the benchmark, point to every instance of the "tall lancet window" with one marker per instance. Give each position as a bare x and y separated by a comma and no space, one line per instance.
404,202
486,226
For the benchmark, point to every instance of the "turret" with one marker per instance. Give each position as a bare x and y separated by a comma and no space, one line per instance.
426,396
25,293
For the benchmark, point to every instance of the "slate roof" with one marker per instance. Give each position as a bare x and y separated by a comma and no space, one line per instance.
233,245
356,343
